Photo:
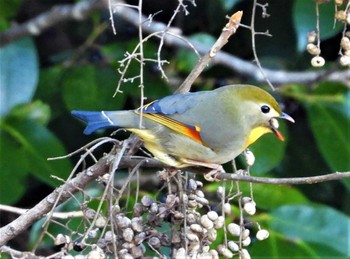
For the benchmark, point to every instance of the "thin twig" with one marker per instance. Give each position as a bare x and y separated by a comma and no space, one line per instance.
242,67
60,193
56,215
62,13
103,166
253,33
141,85
77,183
46,20
112,169
284,181
19,254
99,140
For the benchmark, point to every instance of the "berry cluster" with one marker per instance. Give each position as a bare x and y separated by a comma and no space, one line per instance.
341,15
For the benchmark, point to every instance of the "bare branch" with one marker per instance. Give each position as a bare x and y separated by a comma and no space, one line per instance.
42,22
44,206
17,254
112,161
286,181
237,65
103,166
253,33
63,13
57,215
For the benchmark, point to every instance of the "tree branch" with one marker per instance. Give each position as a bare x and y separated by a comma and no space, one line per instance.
46,20
81,10
286,181
103,166
17,254
57,215
237,65
44,206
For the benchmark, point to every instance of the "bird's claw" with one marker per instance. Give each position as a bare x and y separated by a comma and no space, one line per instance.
211,176
216,169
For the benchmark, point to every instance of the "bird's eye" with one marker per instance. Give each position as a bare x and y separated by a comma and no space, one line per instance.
265,109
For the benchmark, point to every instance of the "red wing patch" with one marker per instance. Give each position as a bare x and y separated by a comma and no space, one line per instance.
193,132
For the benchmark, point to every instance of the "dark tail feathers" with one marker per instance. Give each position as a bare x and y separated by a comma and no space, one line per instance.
94,120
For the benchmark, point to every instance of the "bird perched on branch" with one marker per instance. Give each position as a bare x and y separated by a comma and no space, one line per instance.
206,128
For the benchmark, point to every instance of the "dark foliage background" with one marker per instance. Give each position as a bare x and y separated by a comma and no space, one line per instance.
43,78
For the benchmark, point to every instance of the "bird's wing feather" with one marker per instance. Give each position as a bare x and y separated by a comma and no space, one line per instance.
177,103
193,132
174,104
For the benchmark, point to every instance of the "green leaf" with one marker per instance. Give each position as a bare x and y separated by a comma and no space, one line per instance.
36,111
328,116
328,88
38,144
273,196
269,151
315,225
9,8
50,89
90,88
8,11
280,246
19,74
326,92
304,17
330,127
13,168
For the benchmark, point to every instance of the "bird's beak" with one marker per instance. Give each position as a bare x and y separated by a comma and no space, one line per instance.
286,117
274,125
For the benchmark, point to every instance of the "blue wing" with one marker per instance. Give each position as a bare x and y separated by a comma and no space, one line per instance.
177,103
161,111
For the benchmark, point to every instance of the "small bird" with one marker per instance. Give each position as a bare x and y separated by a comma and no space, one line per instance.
206,128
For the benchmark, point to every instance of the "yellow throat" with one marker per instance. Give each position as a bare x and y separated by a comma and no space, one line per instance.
255,134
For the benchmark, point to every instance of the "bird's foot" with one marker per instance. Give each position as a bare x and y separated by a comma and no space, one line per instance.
212,174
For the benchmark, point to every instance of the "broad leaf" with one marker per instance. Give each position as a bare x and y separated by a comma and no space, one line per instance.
35,111
328,115
39,144
8,11
14,170
281,246
330,127
89,88
19,74
273,196
317,225
50,89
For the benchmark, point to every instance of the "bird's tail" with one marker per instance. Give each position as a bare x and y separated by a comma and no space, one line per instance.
94,120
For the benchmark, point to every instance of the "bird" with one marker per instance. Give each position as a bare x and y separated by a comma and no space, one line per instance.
204,128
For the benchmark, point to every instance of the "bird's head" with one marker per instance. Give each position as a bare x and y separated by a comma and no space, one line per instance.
262,113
